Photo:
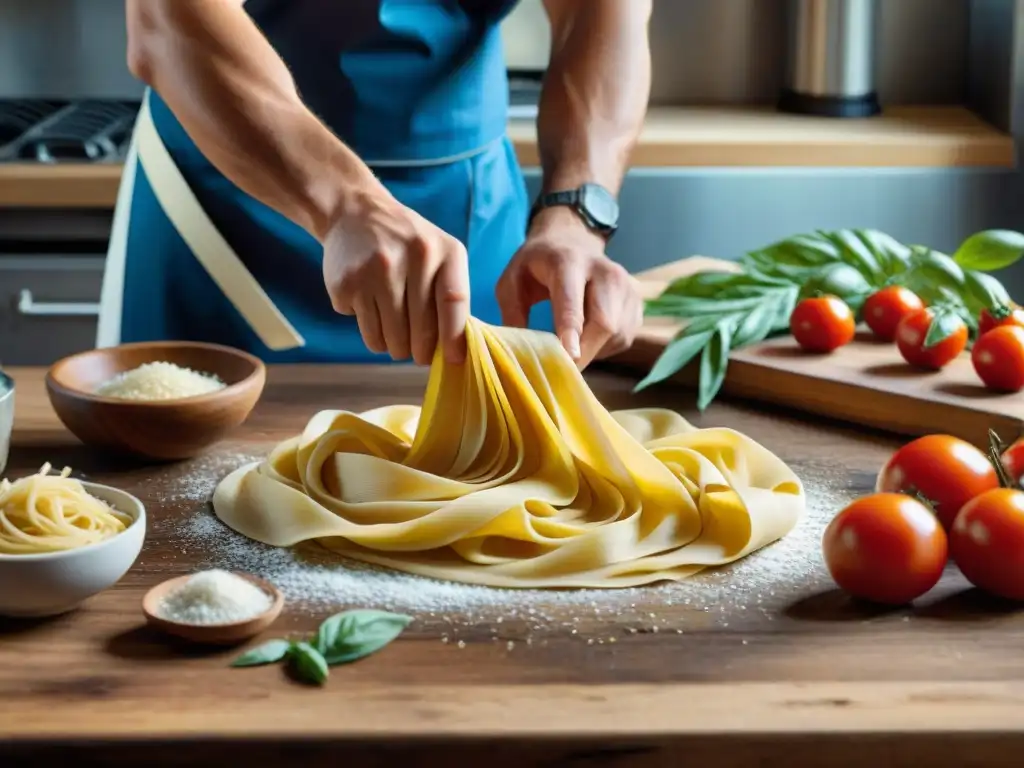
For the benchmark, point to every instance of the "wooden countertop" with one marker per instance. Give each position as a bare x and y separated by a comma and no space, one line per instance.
904,137
760,683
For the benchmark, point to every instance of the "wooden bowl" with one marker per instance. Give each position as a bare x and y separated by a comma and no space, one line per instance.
212,634
158,429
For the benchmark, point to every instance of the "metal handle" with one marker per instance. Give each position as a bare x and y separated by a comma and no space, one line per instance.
27,305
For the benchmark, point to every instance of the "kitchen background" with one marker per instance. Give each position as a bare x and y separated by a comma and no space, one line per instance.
706,52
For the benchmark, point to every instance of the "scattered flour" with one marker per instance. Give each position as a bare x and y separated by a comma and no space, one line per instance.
315,579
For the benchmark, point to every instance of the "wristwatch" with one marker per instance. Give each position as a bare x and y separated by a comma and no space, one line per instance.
594,204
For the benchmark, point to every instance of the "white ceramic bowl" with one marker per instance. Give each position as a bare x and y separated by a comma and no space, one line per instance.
6,417
56,582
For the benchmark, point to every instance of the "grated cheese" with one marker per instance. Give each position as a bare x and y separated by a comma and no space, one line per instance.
214,597
159,381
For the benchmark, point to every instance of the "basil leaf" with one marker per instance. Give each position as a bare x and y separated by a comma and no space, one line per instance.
854,253
714,363
800,251
352,635
892,256
268,653
692,306
757,323
308,664
990,250
679,352
985,290
944,324
840,280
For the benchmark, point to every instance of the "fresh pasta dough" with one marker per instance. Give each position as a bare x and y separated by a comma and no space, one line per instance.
513,475
51,513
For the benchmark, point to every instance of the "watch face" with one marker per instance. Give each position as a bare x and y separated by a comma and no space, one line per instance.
600,205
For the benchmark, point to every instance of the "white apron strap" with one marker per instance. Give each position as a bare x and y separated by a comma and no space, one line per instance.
206,243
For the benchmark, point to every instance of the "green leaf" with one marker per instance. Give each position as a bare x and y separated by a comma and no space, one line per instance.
307,663
757,323
856,254
714,363
892,256
984,291
268,653
945,323
346,637
680,351
990,250
687,306
842,280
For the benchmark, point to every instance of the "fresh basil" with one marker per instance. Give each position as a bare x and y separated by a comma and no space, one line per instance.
307,663
340,639
349,636
679,352
268,653
723,310
990,250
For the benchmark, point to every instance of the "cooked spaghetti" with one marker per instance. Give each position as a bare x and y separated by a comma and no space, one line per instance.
52,513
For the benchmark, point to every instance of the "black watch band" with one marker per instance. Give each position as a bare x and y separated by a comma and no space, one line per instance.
592,202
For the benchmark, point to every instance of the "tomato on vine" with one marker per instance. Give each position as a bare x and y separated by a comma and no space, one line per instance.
987,542
946,472
822,323
912,338
886,547
1000,316
998,358
884,310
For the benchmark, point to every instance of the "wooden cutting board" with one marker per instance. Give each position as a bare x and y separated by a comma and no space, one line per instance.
866,382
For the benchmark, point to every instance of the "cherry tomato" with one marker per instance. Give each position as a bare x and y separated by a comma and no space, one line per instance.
944,471
884,309
1013,462
822,323
987,542
1000,316
998,358
886,547
910,336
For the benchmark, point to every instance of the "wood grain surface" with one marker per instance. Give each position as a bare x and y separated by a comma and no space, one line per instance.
806,679
866,382
902,137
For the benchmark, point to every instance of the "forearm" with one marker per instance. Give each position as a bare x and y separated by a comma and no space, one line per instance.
595,91
236,99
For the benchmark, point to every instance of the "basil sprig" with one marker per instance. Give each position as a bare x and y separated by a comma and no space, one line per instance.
722,311
341,639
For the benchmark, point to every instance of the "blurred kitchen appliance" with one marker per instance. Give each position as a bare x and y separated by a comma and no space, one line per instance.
830,61
526,37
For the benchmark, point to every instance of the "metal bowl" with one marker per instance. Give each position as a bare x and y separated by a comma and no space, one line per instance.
6,417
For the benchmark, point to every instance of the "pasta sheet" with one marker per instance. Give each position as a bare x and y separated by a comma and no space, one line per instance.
512,474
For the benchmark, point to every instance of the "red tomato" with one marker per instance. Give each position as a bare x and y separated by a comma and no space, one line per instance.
884,309
1013,462
998,358
944,471
822,323
910,336
987,542
886,547
1000,316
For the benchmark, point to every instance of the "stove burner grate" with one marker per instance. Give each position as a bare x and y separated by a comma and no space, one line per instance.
91,131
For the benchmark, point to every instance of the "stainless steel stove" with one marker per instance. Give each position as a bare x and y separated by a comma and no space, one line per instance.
75,131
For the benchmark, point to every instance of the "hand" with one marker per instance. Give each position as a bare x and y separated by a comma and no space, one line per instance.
596,303
405,280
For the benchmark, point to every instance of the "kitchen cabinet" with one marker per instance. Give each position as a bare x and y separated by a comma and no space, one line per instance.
48,306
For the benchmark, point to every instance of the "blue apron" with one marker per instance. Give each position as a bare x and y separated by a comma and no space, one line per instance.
418,89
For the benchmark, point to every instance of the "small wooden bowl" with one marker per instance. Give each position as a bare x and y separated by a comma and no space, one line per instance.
160,429
212,634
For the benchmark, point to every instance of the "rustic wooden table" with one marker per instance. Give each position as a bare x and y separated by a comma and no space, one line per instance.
790,673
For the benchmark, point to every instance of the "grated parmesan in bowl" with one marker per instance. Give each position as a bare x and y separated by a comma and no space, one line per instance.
159,381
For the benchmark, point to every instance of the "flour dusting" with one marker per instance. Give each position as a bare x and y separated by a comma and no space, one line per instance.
316,580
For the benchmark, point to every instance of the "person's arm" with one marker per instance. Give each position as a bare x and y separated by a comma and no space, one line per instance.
595,91
236,99
592,108
404,279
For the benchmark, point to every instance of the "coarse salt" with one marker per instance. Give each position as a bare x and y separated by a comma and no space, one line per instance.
159,381
214,597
